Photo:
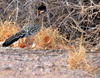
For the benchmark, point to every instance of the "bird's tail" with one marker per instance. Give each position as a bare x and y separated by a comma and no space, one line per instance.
13,38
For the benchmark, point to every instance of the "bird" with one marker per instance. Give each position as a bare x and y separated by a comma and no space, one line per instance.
28,30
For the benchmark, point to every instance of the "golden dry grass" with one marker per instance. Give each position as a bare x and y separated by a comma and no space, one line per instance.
77,59
49,38
7,29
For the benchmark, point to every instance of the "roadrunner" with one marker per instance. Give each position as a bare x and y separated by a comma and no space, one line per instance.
30,29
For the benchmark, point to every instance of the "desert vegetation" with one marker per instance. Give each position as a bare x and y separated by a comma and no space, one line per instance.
72,25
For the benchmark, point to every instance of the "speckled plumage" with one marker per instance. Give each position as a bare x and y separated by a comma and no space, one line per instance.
30,29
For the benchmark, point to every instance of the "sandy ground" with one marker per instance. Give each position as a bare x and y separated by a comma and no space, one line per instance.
24,63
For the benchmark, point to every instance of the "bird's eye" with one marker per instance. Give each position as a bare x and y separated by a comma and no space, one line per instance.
40,12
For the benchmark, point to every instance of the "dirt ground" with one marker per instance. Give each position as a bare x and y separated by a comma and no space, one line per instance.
24,63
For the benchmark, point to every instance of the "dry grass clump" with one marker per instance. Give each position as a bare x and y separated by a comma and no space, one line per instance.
49,38
7,29
77,59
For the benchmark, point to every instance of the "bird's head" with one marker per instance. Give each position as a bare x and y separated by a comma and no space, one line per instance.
41,9
41,12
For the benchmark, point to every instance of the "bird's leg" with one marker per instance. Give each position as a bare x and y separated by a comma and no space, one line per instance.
30,42
26,44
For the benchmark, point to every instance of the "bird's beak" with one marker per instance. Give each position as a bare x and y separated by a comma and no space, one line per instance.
40,12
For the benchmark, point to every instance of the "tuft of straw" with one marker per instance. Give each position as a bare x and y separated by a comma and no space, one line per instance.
7,29
48,38
77,59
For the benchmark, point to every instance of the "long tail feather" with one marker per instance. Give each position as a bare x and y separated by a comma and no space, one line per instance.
10,40
14,38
